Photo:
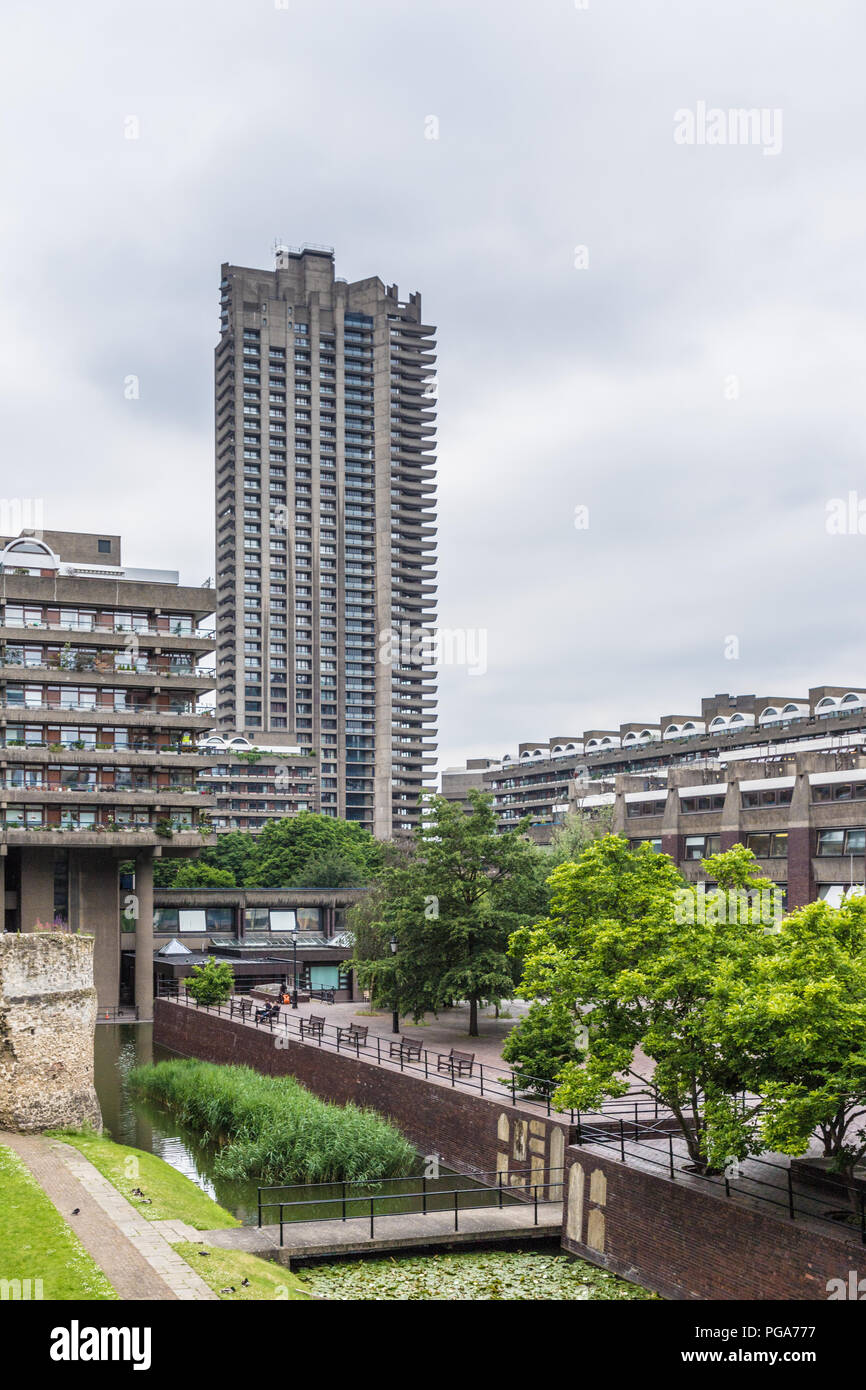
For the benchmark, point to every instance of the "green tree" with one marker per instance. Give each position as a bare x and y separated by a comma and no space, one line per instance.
542,1044
164,871
451,907
578,830
371,947
799,1026
236,852
285,848
211,983
330,869
194,874
629,949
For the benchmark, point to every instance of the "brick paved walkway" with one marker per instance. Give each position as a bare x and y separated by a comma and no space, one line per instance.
438,1033
134,1254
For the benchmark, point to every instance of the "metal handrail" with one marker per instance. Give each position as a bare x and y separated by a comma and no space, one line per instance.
127,669
680,1163
517,1195
499,1082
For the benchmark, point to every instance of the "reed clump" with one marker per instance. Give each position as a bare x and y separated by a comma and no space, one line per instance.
271,1128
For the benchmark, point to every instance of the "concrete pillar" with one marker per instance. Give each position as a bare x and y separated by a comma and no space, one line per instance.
3,891
37,887
144,934
94,907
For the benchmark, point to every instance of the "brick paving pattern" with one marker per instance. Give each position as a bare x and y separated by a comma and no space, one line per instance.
133,1253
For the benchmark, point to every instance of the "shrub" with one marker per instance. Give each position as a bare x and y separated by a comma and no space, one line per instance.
211,983
541,1045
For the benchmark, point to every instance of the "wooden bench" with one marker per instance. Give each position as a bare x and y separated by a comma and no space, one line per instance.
314,1025
408,1048
457,1063
356,1034
243,1006
324,996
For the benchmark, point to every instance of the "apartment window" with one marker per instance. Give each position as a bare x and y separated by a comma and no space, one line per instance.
770,796
838,842
840,791
691,804
773,845
700,846
634,808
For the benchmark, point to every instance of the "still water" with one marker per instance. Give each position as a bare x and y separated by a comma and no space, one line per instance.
129,1120
118,1048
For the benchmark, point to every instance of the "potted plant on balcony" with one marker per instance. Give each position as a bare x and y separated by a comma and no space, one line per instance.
164,828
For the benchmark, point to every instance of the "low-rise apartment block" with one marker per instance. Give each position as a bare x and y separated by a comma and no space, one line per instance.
253,783
784,775
100,679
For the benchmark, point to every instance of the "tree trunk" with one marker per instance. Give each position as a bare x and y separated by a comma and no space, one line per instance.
473,1017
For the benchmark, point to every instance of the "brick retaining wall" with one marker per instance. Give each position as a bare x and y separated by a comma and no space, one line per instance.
671,1236
469,1132
686,1243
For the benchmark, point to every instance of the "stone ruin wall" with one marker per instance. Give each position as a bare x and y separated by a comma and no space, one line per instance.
47,1020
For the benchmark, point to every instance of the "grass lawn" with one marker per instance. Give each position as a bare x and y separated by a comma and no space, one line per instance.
227,1269
173,1196
36,1243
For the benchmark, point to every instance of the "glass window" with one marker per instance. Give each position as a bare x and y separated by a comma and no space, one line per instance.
324,976
192,919
759,845
830,841
220,918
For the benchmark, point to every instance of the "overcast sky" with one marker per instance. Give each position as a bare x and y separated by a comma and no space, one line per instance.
698,385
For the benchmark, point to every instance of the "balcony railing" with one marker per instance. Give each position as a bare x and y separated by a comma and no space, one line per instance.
107,826
80,747
105,710
97,668
67,625
87,788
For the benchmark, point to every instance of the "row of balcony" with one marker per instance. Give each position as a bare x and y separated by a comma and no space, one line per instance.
144,712
74,664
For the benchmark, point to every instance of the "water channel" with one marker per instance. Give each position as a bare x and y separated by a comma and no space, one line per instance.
130,1120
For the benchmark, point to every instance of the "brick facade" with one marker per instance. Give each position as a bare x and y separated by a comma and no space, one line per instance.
688,1243
470,1133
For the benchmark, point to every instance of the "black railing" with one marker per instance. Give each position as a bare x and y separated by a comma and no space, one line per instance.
116,1013
495,1082
746,1181
351,1204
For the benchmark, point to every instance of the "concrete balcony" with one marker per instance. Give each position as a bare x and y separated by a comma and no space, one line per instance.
109,638
153,797
106,715
125,757
124,841
197,680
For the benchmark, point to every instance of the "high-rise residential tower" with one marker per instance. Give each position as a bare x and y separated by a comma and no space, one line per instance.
325,529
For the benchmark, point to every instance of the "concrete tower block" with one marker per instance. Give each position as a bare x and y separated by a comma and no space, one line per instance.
47,1018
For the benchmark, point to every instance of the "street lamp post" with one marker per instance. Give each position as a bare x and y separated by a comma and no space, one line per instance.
295,966
395,1016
